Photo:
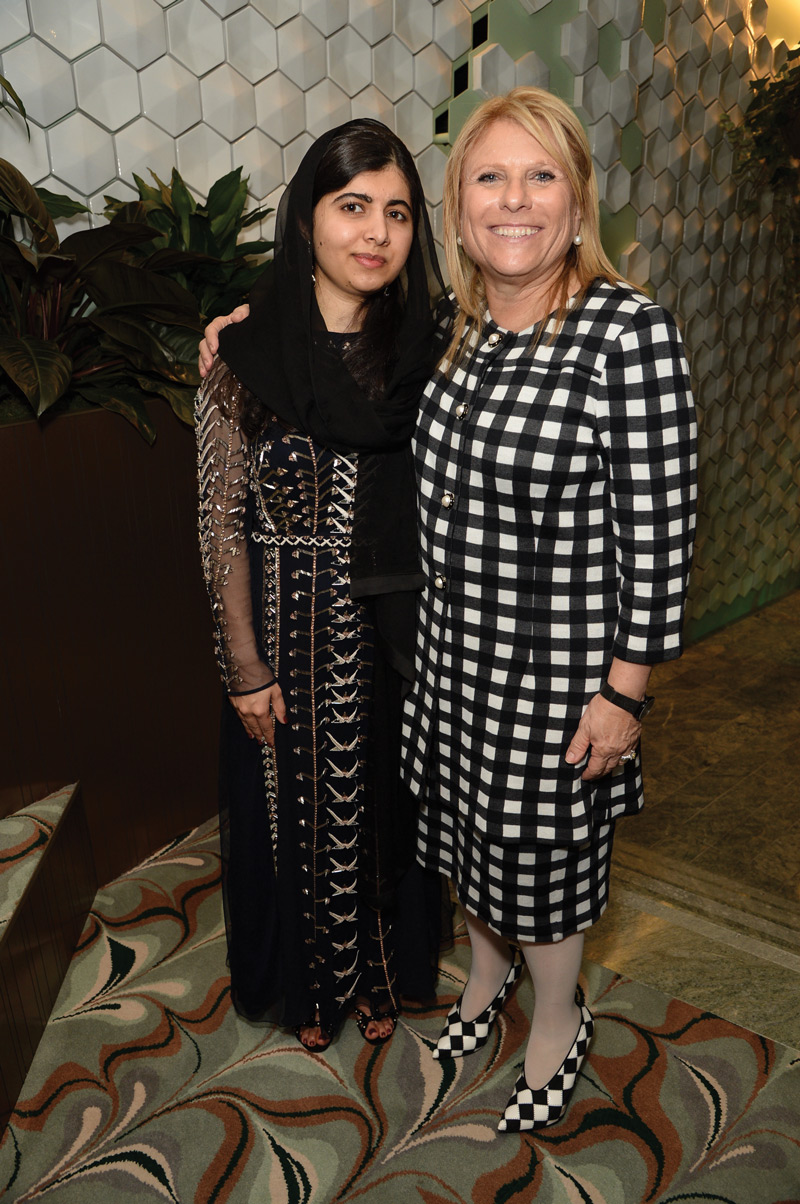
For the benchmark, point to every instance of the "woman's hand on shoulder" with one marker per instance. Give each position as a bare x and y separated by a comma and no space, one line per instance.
210,344
257,711
607,732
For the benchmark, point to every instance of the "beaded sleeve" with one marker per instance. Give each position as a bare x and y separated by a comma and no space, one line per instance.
222,472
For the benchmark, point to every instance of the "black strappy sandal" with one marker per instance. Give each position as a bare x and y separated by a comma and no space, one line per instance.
364,1019
314,1023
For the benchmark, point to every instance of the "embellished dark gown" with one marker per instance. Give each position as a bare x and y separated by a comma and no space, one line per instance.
275,526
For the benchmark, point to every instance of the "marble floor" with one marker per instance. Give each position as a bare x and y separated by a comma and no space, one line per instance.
705,896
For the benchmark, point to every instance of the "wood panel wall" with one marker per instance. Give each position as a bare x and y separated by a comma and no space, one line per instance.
106,663
37,944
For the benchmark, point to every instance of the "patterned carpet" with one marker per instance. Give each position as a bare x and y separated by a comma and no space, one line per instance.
147,1087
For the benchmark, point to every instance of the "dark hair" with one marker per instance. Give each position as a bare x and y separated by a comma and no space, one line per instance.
367,145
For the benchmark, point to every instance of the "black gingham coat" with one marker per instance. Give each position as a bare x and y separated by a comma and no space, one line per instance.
557,492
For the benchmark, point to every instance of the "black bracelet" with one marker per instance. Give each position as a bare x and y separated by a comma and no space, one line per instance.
258,689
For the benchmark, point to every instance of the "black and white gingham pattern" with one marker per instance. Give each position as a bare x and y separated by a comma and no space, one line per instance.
536,1109
557,494
527,892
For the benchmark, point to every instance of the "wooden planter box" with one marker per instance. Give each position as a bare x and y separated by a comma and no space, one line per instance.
106,670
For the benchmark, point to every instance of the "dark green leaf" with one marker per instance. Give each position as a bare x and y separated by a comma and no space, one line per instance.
26,202
60,205
122,400
105,242
6,86
17,260
226,195
119,286
38,368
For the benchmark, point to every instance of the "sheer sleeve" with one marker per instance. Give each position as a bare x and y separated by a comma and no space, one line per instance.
222,456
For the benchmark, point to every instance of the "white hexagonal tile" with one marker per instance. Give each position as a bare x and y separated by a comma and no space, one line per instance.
195,36
616,190
134,29
301,53
262,161
729,87
14,23
679,32
666,192
593,94
372,19
252,45
228,102
678,156
579,44
393,68
601,11
687,76
700,160
627,17
28,155
142,147
325,15
708,83
655,150
604,139
493,71
82,154
326,106
648,229
662,80
637,56
532,71
372,103
624,93
642,189
72,28
107,88
280,108
430,165
649,115
226,8
42,79
534,6
693,230
293,154
694,118
349,61
277,12
758,17
702,34
762,56
203,157
716,10
433,74
741,54
170,95
634,264
452,28
672,230
414,119
413,23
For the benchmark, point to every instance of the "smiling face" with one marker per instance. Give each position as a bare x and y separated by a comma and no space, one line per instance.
362,237
518,214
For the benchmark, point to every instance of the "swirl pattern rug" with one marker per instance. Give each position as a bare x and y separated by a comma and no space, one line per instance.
148,1087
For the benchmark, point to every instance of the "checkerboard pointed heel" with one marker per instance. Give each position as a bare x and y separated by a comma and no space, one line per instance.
536,1109
460,1037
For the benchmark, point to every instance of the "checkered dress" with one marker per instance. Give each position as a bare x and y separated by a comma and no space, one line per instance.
557,491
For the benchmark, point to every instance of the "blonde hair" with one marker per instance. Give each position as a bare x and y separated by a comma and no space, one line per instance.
553,124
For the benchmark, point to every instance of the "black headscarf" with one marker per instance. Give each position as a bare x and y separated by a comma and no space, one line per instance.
282,354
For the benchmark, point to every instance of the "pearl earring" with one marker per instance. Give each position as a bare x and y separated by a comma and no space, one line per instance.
578,239
458,240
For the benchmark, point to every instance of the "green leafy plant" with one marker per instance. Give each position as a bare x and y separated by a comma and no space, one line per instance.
82,323
198,245
767,159
13,103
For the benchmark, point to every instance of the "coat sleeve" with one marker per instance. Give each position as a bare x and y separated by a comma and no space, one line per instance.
649,435
222,480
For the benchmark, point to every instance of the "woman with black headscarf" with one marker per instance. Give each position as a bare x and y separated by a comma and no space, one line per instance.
308,535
